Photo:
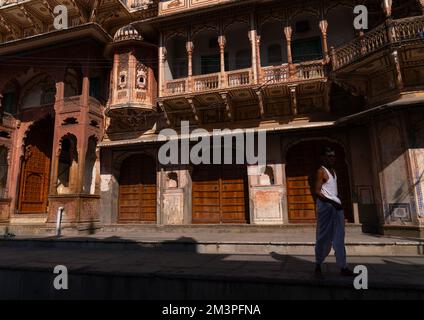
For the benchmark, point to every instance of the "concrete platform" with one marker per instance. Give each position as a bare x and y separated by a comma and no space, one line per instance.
185,262
27,273
297,240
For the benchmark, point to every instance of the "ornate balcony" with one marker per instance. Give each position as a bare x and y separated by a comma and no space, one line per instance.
239,78
384,64
206,82
276,74
394,32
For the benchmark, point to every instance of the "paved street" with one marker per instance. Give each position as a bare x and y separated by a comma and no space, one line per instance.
383,271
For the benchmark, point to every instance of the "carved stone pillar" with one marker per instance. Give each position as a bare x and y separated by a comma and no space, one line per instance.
258,56
398,72
162,60
288,34
85,93
221,43
293,100
253,42
387,7
323,25
189,47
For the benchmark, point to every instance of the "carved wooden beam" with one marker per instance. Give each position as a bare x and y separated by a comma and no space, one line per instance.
30,18
162,106
10,27
293,100
228,106
261,103
194,109
327,93
81,10
94,10
49,7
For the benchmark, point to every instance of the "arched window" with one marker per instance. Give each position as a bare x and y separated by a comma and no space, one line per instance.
274,54
3,171
90,167
67,166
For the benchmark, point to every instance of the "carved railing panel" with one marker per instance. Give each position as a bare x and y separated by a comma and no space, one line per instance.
94,105
409,28
401,30
176,87
310,70
275,74
239,78
206,82
71,104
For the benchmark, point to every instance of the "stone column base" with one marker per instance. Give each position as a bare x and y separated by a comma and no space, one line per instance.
404,231
80,210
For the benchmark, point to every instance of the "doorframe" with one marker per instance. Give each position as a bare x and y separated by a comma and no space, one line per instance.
21,156
118,157
247,204
342,140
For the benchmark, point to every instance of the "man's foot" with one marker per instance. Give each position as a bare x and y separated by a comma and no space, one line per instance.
346,272
318,272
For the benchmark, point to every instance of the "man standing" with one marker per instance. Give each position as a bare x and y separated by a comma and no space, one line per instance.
330,216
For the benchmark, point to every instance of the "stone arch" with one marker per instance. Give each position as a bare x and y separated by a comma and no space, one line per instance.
67,168
73,80
138,189
36,157
238,45
205,51
37,91
302,161
10,94
176,63
4,169
91,172
340,24
272,35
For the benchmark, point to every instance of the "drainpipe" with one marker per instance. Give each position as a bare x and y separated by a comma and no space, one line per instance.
59,220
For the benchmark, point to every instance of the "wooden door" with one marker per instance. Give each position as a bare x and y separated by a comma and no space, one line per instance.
219,194
35,170
137,190
303,160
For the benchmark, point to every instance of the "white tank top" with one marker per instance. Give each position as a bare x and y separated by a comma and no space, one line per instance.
329,188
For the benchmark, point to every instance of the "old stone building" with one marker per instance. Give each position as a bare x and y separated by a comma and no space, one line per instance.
82,108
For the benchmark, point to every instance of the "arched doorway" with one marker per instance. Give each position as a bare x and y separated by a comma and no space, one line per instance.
302,162
35,170
219,194
137,189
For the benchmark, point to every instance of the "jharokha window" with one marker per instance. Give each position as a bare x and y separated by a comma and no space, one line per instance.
67,166
3,171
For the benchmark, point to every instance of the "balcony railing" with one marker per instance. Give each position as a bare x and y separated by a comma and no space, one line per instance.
276,74
407,29
239,78
244,77
206,82
176,86
310,70
411,28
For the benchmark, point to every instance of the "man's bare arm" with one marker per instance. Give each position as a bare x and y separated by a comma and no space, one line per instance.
320,179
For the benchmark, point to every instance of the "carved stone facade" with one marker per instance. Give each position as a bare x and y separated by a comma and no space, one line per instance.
123,71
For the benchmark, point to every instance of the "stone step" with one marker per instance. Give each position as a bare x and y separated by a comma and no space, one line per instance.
43,229
219,228
257,244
